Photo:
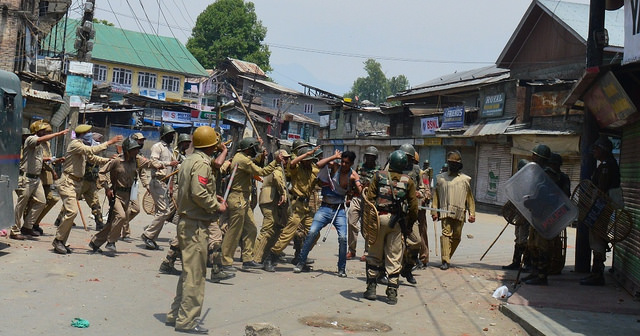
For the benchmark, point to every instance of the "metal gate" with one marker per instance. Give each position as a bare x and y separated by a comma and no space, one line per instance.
626,260
494,169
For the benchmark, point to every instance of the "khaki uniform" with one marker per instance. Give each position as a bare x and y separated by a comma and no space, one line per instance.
425,178
354,215
452,193
134,206
89,191
303,181
70,184
161,156
122,175
29,189
414,239
386,254
197,207
46,176
241,225
273,188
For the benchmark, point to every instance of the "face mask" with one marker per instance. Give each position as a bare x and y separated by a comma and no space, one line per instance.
454,167
87,138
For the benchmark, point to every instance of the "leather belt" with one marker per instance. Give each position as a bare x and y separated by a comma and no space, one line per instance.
29,175
300,198
75,178
332,206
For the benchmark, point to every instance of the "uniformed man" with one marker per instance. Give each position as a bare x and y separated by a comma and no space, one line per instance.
161,154
521,233
47,176
607,179
394,195
134,206
198,206
30,190
167,265
427,170
337,180
122,173
452,193
76,157
303,173
273,204
426,174
89,189
365,170
413,238
241,225
562,180
539,248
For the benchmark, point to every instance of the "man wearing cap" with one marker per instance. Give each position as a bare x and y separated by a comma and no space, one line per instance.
273,204
89,189
30,191
607,179
452,193
241,225
365,170
122,172
198,206
76,157
161,155
134,207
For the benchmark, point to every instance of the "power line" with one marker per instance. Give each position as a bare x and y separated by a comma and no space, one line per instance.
142,19
125,35
174,36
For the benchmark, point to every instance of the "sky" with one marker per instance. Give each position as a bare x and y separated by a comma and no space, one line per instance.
325,43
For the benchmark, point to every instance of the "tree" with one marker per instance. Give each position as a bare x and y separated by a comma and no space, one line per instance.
104,22
376,87
229,28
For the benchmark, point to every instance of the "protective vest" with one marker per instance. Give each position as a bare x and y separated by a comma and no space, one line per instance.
391,192
366,174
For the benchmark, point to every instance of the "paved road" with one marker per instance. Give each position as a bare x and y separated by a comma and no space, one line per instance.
125,295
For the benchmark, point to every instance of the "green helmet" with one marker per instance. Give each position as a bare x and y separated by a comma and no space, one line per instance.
166,129
184,137
555,159
542,151
398,161
303,150
318,154
522,163
371,150
247,143
129,144
297,144
408,149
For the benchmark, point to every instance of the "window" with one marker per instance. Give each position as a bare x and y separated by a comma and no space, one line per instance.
308,108
99,73
122,76
146,80
276,103
170,83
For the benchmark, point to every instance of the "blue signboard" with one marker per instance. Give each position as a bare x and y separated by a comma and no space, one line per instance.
453,117
79,86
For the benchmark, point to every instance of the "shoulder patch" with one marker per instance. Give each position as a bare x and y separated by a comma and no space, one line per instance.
203,179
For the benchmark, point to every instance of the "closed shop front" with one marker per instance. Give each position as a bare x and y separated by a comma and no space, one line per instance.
493,170
626,260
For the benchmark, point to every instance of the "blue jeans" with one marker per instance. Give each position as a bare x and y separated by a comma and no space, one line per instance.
322,218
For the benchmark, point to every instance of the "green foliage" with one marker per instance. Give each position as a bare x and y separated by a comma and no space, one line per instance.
229,28
104,22
376,87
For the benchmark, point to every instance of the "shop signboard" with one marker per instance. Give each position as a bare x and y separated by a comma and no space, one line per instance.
452,118
428,126
493,106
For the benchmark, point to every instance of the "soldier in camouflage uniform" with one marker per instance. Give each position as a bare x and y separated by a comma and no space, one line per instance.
393,193
366,170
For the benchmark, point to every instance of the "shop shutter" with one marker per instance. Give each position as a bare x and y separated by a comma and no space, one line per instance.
626,260
494,169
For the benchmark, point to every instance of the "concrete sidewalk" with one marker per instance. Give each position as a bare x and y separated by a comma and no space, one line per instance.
564,307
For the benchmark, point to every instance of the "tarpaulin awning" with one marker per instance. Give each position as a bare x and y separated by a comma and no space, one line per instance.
488,127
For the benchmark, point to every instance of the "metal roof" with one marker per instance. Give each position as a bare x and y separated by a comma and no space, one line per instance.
245,67
576,16
470,78
289,116
112,44
488,127
275,86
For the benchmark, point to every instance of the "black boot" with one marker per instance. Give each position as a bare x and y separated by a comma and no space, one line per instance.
408,275
540,280
370,293
517,257
268,263
392,295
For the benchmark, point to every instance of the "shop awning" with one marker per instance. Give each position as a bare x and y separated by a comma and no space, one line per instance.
488,127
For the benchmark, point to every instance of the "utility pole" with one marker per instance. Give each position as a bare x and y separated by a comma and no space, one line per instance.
596,41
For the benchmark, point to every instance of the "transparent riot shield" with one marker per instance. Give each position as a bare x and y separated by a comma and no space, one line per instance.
10,142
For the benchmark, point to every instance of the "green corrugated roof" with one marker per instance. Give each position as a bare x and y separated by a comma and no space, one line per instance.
117,45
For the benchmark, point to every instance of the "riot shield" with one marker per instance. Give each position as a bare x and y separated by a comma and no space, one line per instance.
10,136
540,201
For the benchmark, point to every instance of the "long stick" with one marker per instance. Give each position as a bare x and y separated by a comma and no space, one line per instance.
169,176
494,241
435,235
84,223
255,130
233,174
515,284
326,233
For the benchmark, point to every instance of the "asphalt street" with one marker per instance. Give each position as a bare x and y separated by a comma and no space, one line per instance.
125,295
